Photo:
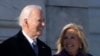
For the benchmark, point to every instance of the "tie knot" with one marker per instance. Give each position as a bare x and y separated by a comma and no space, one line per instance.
34,42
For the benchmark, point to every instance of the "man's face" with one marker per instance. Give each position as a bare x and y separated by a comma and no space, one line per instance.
36,23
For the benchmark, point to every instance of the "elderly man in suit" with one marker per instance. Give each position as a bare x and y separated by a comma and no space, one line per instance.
26,42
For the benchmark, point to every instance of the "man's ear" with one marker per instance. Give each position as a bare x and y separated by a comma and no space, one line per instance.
25,22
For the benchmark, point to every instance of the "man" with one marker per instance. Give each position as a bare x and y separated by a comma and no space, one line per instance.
32,23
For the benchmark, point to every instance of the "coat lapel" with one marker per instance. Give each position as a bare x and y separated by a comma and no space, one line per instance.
41,47
24,45
64,53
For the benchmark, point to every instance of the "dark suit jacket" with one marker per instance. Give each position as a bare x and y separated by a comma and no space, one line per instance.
19,46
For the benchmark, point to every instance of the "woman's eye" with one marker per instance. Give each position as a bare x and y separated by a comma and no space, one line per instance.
72,37
65,37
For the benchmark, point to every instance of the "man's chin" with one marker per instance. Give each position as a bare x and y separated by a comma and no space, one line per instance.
39,34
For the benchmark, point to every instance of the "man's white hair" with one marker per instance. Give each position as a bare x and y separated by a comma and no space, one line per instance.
26,12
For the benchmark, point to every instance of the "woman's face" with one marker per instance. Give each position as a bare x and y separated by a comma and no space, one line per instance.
71,41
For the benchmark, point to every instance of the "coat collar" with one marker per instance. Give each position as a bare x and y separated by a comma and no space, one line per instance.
24,44
65,53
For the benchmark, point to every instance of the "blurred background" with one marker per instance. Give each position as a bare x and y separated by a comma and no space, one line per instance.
57,13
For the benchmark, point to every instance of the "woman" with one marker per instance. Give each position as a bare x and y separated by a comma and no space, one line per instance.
72,42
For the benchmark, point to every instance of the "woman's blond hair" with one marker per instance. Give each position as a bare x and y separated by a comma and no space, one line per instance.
80,34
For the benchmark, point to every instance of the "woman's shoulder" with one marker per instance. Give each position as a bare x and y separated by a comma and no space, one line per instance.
56,55
90,55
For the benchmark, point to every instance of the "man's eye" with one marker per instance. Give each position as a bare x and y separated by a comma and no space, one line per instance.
41,20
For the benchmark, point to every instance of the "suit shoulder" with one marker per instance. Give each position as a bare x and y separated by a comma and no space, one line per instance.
43,44
9,41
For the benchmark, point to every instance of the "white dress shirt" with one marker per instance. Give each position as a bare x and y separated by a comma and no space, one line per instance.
29,39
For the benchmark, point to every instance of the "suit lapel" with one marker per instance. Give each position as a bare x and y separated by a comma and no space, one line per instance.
41,48
24,45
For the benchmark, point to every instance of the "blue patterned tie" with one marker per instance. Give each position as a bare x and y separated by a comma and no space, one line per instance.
35,47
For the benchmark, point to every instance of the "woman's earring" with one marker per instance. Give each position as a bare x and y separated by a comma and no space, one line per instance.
80,47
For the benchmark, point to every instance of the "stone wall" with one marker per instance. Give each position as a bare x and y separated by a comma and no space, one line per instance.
57,14
94,26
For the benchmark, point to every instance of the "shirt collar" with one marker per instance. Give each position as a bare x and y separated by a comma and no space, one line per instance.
29,38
